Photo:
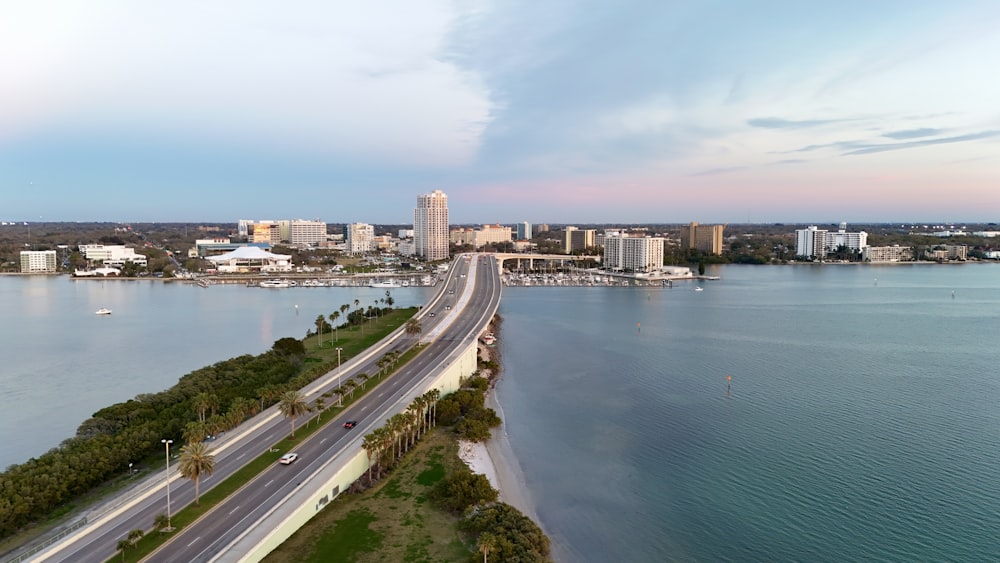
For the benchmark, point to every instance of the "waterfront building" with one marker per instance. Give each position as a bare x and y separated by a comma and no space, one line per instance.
478,238
430,226
894,253
249,259
359,237
304,232
578,239
626,253
706,238
852,241
523,231
111,255
810,242
38,261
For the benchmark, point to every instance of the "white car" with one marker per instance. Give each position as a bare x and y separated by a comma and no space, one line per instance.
288,458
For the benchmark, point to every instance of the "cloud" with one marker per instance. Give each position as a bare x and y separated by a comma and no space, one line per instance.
872,149
913,133
779,123
720,171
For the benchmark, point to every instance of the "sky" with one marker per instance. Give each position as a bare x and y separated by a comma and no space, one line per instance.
632,111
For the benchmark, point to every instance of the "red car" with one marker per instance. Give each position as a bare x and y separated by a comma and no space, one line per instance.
350,424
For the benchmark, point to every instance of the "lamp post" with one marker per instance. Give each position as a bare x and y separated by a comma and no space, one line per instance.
167,443
339,396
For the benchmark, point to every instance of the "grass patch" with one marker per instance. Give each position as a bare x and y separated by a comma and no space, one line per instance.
351,537
410,529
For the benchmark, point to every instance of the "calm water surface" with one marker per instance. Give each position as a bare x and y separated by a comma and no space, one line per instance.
863,423
61,362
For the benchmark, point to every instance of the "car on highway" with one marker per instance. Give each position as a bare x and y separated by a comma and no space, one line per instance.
450,291
287,459
430,314
350,424
447,307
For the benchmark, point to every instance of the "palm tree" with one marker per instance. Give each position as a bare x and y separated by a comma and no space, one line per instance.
161,522
196,461
370,445
487,543
413,327
363,378
204,402
135,535
333,320
435,396
320,321
195,431
389,301
320,405
292,404
122,545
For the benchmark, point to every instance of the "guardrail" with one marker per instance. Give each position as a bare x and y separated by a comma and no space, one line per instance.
39,547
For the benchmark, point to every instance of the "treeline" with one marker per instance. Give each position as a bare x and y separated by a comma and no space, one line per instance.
206,401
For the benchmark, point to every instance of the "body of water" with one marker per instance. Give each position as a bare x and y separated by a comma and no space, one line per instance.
61,362
862,423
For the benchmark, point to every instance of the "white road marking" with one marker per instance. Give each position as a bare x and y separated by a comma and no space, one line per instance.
241,455
194,540
234,510
269,482
322,441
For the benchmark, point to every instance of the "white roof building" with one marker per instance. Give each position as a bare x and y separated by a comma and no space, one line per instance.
251,258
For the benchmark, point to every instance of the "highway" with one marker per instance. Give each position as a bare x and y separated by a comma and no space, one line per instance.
449,320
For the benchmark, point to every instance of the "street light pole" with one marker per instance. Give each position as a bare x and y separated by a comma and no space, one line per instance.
167,443
339,396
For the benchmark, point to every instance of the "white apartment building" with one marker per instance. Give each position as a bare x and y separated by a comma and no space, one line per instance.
305,232
38,261
853,241
111,255
810,241
632,253
243,227
430,226
523,231
360,238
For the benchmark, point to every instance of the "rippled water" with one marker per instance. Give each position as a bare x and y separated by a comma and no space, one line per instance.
863,421
61,362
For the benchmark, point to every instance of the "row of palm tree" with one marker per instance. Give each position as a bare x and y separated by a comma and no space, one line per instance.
401,431
334,317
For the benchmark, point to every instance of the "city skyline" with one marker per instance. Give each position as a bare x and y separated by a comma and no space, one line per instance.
637,112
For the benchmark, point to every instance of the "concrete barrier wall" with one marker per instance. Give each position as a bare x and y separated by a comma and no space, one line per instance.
320,489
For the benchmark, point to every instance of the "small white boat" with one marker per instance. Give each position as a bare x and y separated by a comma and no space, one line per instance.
383,284
103,311
280,284
699,288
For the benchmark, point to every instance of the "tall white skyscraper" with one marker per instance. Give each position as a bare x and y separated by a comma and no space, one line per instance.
430,226
524,230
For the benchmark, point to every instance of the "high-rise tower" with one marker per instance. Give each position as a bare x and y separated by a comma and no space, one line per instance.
430,226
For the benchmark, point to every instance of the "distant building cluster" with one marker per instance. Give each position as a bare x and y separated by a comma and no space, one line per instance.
814,242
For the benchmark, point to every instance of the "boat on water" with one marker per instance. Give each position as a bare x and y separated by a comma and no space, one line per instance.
386,284
277,284
699,288
103,311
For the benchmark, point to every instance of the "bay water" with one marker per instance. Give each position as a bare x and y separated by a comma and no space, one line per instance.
861,423
61,362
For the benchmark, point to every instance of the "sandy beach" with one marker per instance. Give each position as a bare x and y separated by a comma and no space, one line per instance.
496,460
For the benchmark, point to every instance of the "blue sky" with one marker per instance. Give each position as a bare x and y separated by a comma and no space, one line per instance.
555,111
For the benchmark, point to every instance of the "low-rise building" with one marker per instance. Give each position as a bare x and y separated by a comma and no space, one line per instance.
893,253
111,255
38,261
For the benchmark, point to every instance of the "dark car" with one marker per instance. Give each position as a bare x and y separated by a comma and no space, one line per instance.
350,424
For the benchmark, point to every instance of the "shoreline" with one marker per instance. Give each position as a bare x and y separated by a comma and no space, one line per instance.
494,458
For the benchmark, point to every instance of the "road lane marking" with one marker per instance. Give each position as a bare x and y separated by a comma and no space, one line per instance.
269,482
234,510
242,455
194,540
322,441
